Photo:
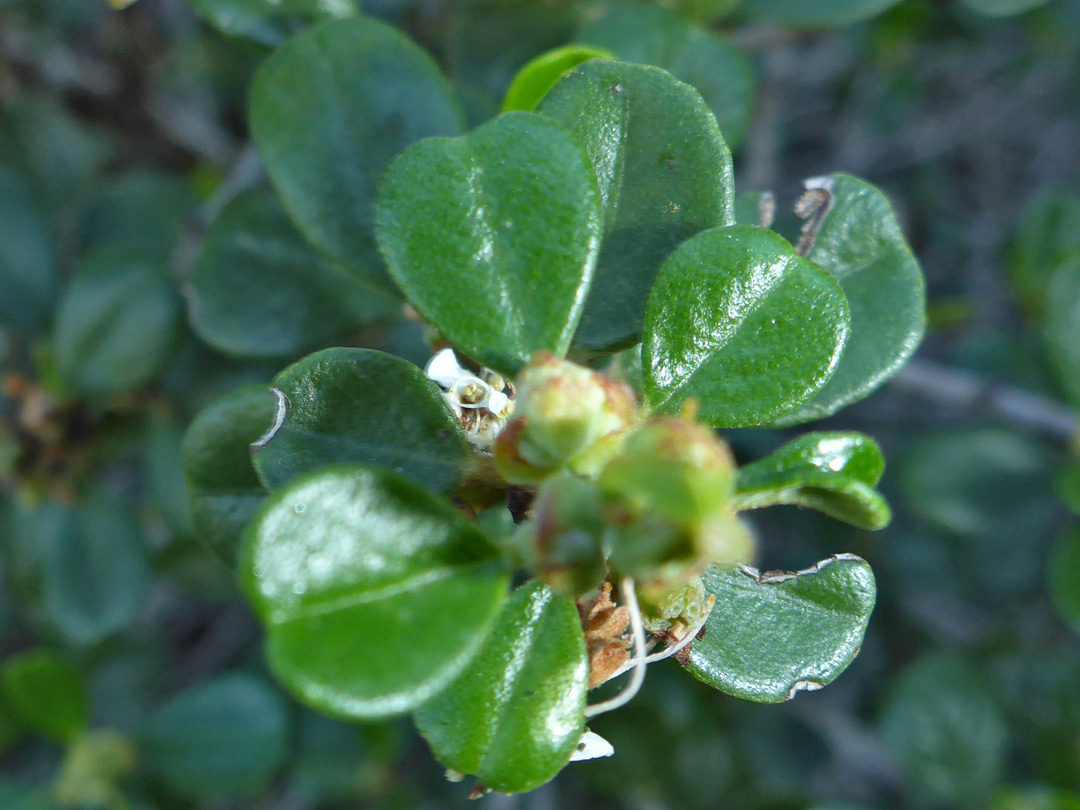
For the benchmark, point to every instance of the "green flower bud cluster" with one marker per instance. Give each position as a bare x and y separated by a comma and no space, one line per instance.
620,493
564,415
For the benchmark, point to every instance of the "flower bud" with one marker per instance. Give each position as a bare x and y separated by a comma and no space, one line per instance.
562,411
677,469
565,535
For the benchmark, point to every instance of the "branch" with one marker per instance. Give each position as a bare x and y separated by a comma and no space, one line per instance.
965,390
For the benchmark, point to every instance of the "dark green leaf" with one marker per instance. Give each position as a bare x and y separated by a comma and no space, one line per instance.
946,731
1003,8
329,110
835,473
222,739
976,481
862,245
534,80
803,14
1065,578
222,485
740,321
514,716
361,406
493,236
771,635
664,172
165,489
258,289
1061,326
376,593
1047,233
117,323
28,276
653,35
19,797
59,154
269,21
45,693
144,211
96,570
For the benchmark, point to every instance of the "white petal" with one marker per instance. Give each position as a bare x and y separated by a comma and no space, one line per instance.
444,368
592,746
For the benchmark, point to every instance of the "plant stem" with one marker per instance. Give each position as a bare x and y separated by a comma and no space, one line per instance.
966,390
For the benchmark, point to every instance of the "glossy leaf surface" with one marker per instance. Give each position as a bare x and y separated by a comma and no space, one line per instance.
653,35
259,290
360,406
329,110
376,594
493,236
664,172
740,321
835,473
534,80
516,713
222,485
46,693
223,738
772,635
862,245
117,324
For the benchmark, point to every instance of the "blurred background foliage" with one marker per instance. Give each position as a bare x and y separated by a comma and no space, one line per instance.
146,268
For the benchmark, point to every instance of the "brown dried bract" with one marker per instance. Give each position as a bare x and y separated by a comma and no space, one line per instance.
605,625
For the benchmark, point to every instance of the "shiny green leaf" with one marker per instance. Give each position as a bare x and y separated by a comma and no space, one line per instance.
534,80
665,174
360,406
222,485
96,570
117,324
28,274
376,594
269,21
514,716
653,35
223,738
803,14
493,236
744,324
45,693
258,289
772,635
943,727
862,245
329,110
835,473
